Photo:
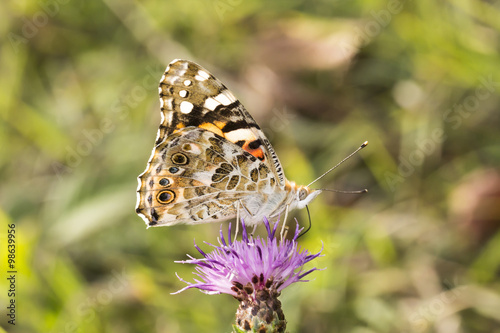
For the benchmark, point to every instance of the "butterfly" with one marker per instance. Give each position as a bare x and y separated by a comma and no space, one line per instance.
211,161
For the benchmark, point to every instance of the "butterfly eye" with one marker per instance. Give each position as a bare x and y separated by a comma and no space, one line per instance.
180,159
166,197
302,194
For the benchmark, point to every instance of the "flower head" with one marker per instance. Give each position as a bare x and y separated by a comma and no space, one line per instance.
253,270
250,262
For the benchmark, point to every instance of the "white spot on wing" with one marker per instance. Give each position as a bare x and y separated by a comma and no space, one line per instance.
170,118
162,115
203,74
192,148
187,83
186,107
211,103
183,93
225,97
240,134
164,122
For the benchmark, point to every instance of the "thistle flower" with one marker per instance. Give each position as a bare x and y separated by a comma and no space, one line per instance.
253,270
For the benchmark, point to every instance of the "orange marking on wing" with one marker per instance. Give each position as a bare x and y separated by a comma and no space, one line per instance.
212,128
219,124
258,152
178,127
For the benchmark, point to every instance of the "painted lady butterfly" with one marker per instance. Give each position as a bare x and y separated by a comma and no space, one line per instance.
211,160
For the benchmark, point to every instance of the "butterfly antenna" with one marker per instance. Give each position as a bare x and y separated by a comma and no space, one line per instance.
338,164
310,224
340,191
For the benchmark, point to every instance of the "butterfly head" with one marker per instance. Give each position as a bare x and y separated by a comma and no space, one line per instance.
305,195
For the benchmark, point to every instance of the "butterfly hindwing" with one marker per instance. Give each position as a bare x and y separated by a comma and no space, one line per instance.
197,176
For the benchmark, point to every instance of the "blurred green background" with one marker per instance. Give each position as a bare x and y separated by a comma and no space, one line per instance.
419,80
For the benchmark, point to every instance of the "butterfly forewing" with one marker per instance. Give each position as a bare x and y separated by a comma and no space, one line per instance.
191,96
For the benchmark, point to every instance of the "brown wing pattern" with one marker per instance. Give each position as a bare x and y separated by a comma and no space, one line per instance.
197,176
191,96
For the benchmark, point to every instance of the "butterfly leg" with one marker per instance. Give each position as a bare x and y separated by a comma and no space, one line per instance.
238,219
254,228
283,233
240,203
237,203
